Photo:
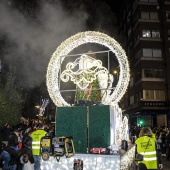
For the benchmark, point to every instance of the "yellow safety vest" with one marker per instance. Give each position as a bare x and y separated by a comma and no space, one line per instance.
149,155
36,138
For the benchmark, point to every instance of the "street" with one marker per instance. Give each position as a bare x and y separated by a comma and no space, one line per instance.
166,164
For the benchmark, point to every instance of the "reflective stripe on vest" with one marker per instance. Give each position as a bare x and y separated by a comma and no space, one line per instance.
35,147
36,142
150,159
149,156
148,153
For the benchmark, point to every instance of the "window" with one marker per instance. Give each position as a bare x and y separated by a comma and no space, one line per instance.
154,15
157,53
155,34
167,14
132,99
146,33
148,94
154,94
147,52
168,33
144,15
152,73
149,15
159,94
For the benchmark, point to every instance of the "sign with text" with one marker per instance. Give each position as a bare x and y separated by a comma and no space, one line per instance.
154,103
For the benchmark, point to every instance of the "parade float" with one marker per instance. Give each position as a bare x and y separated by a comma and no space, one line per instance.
95,120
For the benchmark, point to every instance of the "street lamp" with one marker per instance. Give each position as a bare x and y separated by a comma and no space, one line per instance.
37,107
116,73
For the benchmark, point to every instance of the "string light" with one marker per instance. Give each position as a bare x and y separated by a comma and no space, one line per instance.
84,75
53,72
93,161
73,42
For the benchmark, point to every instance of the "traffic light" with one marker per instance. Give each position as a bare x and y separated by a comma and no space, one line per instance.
141,121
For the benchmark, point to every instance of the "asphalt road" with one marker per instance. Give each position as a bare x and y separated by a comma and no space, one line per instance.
166,164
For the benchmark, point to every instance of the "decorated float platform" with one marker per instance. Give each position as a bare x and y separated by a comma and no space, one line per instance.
100,124
93,127
123,161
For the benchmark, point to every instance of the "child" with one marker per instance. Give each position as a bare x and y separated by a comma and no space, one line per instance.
27,165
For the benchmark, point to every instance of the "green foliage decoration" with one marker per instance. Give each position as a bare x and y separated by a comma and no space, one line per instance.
10,101
92,92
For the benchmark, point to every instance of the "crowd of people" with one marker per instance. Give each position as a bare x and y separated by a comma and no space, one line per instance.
20,142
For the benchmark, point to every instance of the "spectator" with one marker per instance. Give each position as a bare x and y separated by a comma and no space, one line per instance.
26,150
146,146
163,143
159,142
25,159
2,146
12,148
167,145
6,130
27,165
36,138
5,157
9,154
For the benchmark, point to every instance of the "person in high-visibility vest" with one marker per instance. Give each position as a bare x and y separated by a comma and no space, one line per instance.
146,146
36,139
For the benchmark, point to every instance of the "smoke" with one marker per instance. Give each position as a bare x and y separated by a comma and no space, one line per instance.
33,40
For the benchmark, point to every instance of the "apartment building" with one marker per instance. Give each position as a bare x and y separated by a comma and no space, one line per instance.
145,25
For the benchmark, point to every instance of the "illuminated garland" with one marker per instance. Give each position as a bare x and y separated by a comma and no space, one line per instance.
93,161
73,42
83,76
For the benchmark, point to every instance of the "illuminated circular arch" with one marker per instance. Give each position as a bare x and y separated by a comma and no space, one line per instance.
71,43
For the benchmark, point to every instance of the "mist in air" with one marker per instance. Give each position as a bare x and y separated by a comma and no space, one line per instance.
31,41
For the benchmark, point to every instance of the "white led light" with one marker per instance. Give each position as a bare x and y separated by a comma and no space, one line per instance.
73,42
84,75
93,161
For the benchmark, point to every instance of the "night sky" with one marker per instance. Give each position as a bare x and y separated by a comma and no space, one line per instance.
30,31
115,5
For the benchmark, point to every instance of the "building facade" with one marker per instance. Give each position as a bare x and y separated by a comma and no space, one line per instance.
145,25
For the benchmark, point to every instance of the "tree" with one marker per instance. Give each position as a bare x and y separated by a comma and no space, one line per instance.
10,101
